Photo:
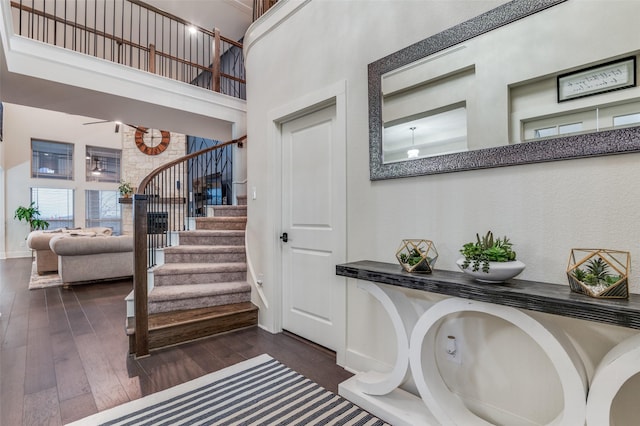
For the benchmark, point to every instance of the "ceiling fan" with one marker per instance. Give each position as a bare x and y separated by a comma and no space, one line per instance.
117,123
99,168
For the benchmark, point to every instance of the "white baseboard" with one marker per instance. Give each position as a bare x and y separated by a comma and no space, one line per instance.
357,362
399,408
17,254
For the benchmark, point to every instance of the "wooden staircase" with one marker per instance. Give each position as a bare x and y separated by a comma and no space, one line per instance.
201,289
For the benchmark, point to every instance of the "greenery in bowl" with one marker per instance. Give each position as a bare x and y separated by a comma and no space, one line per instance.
486,249
125,188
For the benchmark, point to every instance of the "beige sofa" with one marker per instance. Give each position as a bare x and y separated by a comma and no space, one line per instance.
93,258
38,241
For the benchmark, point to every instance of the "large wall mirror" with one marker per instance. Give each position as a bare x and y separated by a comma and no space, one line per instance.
529,81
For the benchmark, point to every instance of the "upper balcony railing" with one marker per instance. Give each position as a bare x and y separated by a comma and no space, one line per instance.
260,7
138,35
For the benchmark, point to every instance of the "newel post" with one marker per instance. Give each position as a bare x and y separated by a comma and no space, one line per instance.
152,59
215,65
140,274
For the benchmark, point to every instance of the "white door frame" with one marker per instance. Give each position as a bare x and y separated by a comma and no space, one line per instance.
334,94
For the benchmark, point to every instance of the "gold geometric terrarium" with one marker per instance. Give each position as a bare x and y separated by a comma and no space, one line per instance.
599,273
417,255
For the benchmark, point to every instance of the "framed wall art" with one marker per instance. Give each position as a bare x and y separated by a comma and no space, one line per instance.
616,75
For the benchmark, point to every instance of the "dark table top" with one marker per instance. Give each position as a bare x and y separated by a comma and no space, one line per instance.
532,295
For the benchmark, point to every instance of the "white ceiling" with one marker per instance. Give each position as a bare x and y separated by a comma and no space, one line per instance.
231,17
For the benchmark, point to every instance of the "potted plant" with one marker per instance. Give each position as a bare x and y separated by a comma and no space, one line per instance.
125,189
31,215
599,273
417,255
490,259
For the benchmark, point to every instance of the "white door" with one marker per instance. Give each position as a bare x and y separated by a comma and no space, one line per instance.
313,217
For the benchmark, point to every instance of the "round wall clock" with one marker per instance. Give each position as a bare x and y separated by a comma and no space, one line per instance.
152,141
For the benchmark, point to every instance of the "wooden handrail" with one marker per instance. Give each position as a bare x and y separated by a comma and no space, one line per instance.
194,65
155,172
232,77
140,204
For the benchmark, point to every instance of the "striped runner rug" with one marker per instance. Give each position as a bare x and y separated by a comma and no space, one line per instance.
259,391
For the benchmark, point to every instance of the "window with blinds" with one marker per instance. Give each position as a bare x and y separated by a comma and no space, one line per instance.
51,160
102,209
103,164
55,205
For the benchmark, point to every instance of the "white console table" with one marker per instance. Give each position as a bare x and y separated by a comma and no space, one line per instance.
380,393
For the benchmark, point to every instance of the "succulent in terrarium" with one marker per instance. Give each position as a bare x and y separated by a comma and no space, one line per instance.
600,273
413,258
417,255
596,273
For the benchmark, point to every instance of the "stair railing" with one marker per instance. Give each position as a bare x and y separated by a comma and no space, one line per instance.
138,35
260,7
167,201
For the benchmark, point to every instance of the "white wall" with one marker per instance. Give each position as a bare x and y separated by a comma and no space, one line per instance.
541,207
21,124
2,197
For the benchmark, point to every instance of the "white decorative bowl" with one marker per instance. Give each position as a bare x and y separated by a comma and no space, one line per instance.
498,271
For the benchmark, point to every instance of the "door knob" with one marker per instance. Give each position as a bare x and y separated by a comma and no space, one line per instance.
284,237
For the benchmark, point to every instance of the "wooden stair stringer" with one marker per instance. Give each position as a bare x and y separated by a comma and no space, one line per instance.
172,328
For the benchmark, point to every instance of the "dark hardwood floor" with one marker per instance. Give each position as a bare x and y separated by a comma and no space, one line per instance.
64,352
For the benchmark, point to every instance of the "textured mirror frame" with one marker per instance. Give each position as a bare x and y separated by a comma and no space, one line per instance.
561,148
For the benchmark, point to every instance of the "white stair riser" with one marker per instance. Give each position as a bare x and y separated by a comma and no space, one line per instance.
129,300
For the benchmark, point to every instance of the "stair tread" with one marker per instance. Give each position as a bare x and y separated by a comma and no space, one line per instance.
196,248
189,291
169,319
199,268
